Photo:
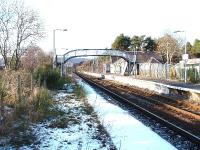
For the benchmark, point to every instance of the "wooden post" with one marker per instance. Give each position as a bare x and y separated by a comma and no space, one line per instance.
19,87
31,82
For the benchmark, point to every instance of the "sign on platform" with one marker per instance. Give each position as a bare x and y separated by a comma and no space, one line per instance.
134,58
185,57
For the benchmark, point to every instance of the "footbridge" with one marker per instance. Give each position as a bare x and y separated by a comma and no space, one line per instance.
61,59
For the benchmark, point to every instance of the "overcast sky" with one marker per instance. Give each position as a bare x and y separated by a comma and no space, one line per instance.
96,23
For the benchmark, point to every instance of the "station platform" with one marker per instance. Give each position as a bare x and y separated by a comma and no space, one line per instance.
175,84
166,87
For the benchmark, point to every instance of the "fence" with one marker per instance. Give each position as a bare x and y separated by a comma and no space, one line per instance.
17,85
168,71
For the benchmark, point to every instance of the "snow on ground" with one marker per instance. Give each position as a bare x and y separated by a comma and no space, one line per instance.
127,133
77,129
84,132
75,136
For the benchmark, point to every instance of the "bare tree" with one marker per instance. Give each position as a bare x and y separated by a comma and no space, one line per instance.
6,28
28,28
31,58
168,47
45,59
19,26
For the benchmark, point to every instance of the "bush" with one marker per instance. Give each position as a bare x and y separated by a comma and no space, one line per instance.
172,73
50,78
192,75
53,79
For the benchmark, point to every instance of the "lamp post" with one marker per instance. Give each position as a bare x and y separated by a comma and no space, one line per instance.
54,46
134,59
184,56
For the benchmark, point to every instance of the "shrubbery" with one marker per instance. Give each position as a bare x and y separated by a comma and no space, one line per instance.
50,78
192,75
40,105
172,73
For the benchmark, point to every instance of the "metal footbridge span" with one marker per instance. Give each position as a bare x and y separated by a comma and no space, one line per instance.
60,59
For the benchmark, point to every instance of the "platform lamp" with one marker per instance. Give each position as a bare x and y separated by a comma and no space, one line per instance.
184,56
54,47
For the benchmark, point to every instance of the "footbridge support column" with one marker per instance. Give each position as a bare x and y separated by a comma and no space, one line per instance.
129,68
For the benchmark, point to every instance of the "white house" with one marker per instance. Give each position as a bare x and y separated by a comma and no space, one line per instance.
144,61
118,67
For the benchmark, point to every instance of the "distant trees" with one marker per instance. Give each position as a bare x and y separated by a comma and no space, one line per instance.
169,47
142,43
195,50
122,42
189,48
136,42
149,44
19,26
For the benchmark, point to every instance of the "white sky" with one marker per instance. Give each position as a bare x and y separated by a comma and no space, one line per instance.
96,23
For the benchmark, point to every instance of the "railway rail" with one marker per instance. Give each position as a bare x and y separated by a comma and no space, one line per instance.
117,93
167,102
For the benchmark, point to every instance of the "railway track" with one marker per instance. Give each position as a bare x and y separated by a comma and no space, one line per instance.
153,100
116,94
168,101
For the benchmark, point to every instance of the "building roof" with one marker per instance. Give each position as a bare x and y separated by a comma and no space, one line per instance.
145,57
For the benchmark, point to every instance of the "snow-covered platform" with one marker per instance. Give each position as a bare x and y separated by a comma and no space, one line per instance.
159,86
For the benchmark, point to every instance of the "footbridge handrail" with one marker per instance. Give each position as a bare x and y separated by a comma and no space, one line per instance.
94,52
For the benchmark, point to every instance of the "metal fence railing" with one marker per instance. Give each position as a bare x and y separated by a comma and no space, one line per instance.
169,71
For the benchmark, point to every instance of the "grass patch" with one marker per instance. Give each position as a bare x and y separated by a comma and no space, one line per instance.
88,109
64,122
16,127
39,108
79,92
22,135
42,107
42,101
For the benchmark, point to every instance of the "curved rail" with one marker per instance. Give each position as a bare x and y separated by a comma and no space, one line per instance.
174,127
94,52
